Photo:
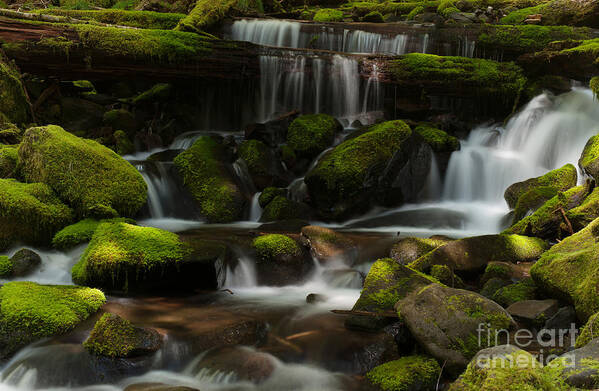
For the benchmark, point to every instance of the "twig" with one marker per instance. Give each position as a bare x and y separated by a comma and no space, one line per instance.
568,224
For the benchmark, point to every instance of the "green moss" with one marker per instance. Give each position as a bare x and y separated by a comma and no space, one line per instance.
30,213
545,220
446,276
405,374
83,173
438,139
588,332
533,200
485,77
78,233
558,13
139,19
519,16
120,119
205,175
328,15
6,266
158,92
207,14
415,11
124,146
569,271
123,256
269,194
308,135
497,270
362,8
13,98
585,213
561,179
508,295
114,337
8,161
288,155
272,246
256,156
340,174
594,86
282,208
491,286
29,311
527,38
373,17
589,159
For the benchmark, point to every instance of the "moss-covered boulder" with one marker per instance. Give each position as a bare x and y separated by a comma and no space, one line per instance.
127,257
116,337
269,194
446,276
308,135
22,263
560,179
447,323
261,163
410,249
386,283
589,160
570,271
13,98
328,15
282,208
385,164
204,172
120,119
558,13
30,213
413,373
532,200
506,367
208,14
589,331
326,244
86,175
513,293
579,368
29,312
474,253
545,222
438,140
280,260
8,161
80,232
506,271
586,212
122,143
373,17
491,286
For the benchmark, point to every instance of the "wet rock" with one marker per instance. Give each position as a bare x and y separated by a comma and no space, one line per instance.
120,119
24,262
116,337
71,118
263,166
560,179
326,244
280,260
474,253
513,293
236,332
491,286
563,319
580,367
585,213
245,363
314,298
568,271
308,135
157,387
589,160
410,249
446,322
386,283
506,271
533,312
282,208
446,276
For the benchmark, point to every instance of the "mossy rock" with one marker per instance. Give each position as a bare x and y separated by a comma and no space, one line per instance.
513,293
492,285
546,221
22,263
532,200
506,367
269,194
282,208
115,337
337,184
29,312
139,19
120,119
14,104
80,232
158,93
127,257
410,249
594,86
260,161
474,253
328,15
204,173
439,140
559,13
280,260
410,373
30,213
589,160
308,135
123,145
88,176
560,179
386,283
208,14
446,276
373,17
578,368
327,245
446,322
569,271
586,212
8,161
589,331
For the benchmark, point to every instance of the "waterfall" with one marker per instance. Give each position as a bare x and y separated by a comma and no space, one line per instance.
311,84
255,209
243,275
163,192
548,133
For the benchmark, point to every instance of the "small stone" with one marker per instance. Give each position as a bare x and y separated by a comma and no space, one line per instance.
314,298
533,310
24,261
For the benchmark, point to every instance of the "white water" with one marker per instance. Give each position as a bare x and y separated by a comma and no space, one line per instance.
255,208
283,33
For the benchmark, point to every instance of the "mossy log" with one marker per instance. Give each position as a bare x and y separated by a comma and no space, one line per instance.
98,52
